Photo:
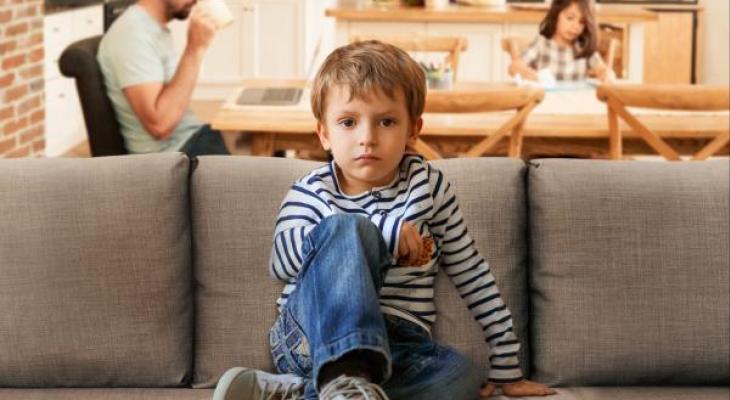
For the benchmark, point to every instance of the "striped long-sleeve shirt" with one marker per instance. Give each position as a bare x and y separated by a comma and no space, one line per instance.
421,196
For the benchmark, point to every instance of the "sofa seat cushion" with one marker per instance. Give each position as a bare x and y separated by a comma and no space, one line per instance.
633,393
106,394
629,284
235,201
95,280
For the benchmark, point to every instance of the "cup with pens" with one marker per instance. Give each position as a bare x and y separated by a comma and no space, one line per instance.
438,75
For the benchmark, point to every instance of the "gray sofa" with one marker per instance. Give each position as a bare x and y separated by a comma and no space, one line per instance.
145,277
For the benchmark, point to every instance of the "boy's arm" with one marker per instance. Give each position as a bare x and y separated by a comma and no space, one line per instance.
390,227
475,283
299,213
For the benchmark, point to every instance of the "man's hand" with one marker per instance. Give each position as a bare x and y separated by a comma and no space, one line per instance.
201,29
518,389
409,245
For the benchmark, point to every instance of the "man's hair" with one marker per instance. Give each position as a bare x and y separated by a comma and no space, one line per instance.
366,66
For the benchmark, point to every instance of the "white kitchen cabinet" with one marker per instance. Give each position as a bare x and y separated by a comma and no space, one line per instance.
476,63
277,26
269,39
481,60
64,121
483,42
383,29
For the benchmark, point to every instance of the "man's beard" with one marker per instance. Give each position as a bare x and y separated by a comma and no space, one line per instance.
181,14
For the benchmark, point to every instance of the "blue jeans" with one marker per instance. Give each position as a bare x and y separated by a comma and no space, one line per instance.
335,310
204,142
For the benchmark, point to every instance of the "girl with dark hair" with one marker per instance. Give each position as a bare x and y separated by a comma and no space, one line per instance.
566,45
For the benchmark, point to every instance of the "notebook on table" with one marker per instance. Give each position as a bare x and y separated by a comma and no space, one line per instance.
269,96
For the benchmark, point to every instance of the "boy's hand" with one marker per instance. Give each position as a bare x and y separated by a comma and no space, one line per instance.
411,245
517,389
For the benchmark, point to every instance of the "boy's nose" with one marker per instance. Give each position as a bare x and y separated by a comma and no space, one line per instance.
368,135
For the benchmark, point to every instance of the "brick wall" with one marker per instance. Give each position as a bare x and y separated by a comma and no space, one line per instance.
21,78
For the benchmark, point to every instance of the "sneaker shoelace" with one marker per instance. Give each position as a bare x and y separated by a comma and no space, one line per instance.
352,388
281,391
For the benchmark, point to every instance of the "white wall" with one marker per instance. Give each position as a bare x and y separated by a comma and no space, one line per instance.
716,59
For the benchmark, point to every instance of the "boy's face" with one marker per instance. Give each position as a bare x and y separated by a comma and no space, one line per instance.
367,136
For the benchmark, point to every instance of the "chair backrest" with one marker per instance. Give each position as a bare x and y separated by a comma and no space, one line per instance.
666,97
607,47
514,46
497,99
78,61
451,45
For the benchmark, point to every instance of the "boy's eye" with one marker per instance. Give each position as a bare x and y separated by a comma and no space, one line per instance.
346,122
387,122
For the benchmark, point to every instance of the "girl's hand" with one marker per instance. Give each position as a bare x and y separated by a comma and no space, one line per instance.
409,245
519,67
517,389
602,73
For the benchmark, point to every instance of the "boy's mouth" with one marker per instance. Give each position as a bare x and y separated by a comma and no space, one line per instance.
367,157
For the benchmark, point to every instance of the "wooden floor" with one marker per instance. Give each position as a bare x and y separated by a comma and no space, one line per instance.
204,110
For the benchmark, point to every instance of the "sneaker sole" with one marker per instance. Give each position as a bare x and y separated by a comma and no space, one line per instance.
225,382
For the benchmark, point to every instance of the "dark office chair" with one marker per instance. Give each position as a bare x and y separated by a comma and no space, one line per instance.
78,61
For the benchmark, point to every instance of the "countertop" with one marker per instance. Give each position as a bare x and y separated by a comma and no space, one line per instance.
514,13
50,9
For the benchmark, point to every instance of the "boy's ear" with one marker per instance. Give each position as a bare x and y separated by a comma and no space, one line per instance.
322,135
415,131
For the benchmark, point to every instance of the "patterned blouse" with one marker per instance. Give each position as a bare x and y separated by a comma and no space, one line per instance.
544,53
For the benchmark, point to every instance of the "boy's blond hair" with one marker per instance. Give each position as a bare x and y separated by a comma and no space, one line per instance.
365,66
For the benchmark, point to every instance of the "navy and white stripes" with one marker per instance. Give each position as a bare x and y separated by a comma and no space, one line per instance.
420,195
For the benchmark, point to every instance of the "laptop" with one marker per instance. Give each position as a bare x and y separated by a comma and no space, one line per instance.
269,96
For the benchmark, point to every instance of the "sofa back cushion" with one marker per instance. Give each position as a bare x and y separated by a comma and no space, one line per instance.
235,201
95,280
629,282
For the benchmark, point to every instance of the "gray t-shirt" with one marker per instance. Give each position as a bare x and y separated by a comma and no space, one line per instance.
137,49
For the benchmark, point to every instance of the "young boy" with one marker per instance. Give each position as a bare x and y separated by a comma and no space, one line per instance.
359,242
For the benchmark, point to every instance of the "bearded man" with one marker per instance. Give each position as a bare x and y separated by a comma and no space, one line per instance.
149,86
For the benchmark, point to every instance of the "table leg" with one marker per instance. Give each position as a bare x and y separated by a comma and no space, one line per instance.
262,144
229,139
515,142
615,141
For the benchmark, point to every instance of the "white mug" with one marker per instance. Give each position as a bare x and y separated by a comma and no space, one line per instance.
218,9
437,3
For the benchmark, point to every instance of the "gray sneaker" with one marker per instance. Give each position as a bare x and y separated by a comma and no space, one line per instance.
251,384
348,387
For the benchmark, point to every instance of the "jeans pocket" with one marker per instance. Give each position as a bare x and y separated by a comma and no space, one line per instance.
289,346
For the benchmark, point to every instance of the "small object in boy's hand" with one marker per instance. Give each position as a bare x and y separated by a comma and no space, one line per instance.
424,257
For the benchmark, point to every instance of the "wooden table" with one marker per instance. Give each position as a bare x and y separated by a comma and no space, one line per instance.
566,124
